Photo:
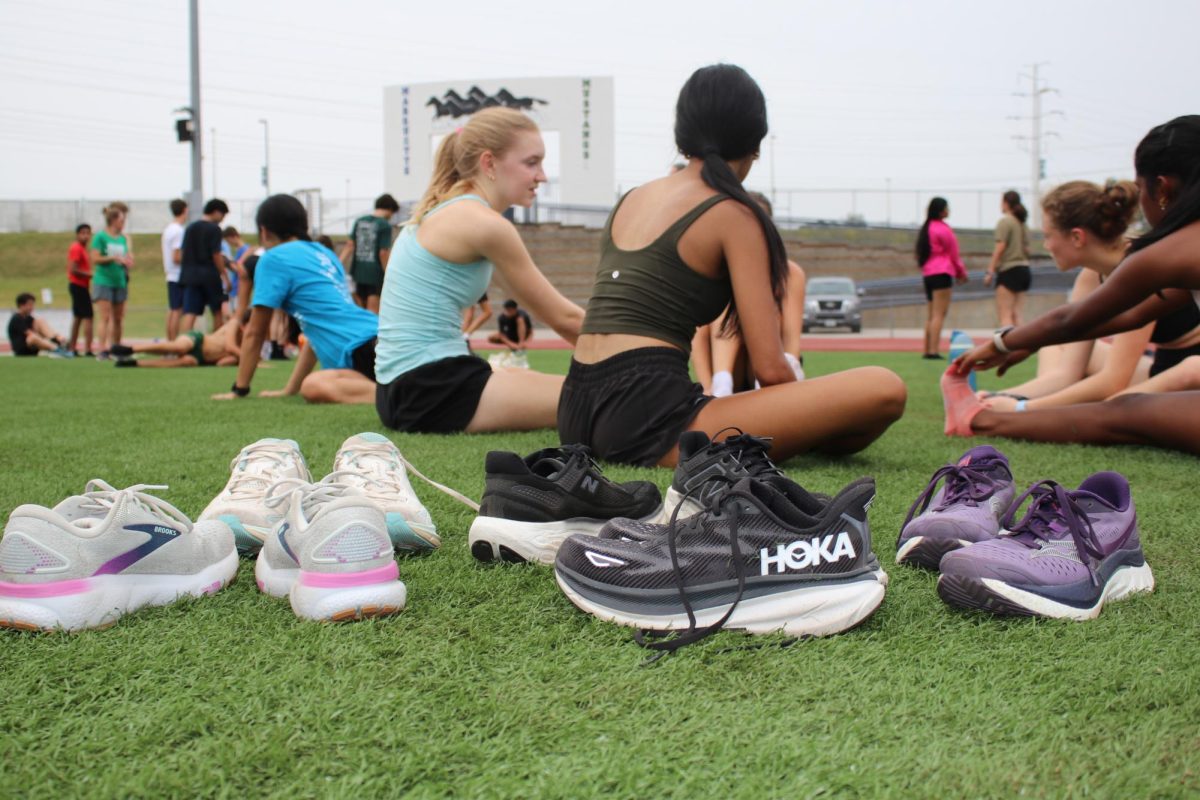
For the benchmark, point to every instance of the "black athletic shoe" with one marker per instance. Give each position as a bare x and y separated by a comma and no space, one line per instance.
125,362
121,350
749,561
531,504
809,506
708,467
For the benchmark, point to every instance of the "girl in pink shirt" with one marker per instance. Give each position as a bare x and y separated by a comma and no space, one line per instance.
937,254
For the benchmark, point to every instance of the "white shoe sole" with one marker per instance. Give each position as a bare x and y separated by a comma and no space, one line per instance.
100,601
1124,582
497,539
672,499
811,611
334,603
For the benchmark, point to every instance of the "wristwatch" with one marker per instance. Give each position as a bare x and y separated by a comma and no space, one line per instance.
240,391
998,339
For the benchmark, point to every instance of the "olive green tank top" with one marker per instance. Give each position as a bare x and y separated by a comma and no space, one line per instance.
651,291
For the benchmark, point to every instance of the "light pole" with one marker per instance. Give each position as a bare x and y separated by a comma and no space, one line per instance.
266,170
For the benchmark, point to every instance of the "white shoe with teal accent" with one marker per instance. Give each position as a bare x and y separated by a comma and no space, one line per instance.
370,462
254,470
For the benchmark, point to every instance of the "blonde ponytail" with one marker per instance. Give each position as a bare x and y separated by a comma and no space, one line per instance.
456,164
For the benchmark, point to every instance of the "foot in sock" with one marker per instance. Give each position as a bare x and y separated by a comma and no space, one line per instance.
960,402
722,384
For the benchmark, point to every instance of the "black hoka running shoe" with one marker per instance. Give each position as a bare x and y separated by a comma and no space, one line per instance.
530,505
706,467
808,506
748,561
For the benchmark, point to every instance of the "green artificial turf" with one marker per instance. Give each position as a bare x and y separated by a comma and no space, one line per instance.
491,684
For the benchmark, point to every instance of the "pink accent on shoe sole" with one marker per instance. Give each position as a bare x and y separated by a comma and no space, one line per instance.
345,580
52,589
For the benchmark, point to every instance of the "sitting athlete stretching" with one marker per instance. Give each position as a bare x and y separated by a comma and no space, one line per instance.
675,253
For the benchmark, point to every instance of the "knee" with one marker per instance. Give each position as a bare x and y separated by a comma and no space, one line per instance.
888,392
312,389
1190,368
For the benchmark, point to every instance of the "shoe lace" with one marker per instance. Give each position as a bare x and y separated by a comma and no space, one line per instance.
256,466
101,496
1052,509
374,468
750,452
657,640
963,484
311,496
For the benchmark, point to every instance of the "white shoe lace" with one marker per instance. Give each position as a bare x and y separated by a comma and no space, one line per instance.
256,468
101,496
311,496
383,464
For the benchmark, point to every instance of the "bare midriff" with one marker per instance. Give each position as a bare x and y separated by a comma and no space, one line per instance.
595,347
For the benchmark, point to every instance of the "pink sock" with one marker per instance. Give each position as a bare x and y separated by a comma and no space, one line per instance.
961,403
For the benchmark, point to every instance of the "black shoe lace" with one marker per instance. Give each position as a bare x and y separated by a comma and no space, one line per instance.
1053,503
751,452
656,640
962,484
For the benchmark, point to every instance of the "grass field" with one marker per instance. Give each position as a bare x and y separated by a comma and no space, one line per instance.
491,684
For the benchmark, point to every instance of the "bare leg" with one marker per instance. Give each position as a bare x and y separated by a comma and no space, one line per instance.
87,335
1159,420
117,329
937,317
517,400
343,386
1183,377
182,361
839,413
792,318
76,324
39,342
187,322
173,318
1006,306
373,304
104,312
218,319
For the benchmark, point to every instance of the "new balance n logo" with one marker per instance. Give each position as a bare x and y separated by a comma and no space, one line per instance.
589,484
800,553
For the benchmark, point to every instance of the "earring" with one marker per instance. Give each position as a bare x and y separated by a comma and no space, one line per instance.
1162,204
492,177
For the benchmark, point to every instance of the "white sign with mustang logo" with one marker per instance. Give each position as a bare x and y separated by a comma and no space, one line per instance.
574,114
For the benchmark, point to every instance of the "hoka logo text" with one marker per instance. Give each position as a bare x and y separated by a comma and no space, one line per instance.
800,553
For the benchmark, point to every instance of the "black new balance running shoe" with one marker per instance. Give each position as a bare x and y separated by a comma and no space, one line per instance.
750,561
530,505
707,467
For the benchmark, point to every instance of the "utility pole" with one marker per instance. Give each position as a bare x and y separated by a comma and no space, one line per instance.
196,199
212,154
1037,164
266,170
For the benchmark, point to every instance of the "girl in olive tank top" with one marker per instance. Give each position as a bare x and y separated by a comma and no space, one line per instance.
676,252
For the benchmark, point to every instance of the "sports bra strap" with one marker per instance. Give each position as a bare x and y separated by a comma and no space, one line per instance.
455,199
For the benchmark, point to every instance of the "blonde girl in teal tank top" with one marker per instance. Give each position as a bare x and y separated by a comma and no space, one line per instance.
427,379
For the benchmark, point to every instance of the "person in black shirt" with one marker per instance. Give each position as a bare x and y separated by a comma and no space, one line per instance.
202,267
516,328
28,335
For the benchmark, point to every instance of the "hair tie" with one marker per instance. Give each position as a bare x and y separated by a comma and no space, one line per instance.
458,130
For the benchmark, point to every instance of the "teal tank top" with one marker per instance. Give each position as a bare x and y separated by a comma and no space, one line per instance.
421,303
651,291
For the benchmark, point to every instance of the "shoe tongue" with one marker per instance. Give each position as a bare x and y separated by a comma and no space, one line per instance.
982,457
547,463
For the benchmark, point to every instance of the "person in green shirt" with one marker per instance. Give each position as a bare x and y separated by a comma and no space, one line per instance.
365,253
1009,267
112,258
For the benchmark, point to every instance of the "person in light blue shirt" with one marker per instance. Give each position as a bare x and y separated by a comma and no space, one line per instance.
443,261
306,280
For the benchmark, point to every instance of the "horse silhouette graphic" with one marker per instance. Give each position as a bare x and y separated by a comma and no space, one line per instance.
452,104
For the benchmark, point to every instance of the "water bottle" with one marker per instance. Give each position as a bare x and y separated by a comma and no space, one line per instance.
961,343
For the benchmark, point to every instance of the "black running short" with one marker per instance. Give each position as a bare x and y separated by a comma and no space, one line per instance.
81,301
365,290
935,283
197,297
632,407
439,397
362,360
1016,279
1167,357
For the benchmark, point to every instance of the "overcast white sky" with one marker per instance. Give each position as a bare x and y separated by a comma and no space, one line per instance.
858,92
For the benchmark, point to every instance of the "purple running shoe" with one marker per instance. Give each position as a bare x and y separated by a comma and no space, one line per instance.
975,494
1072,551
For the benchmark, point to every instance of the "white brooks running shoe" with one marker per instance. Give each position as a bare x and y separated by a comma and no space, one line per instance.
330,553
240,503
372,463
95,557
